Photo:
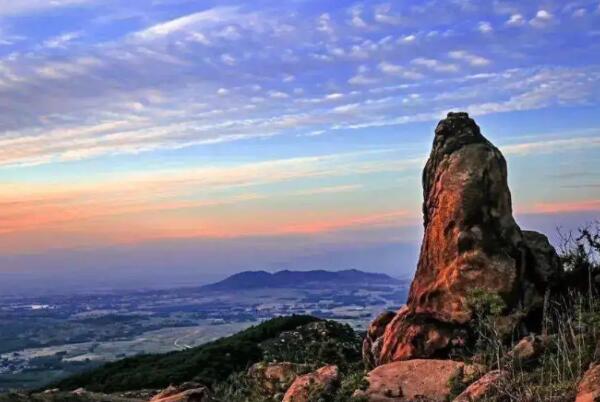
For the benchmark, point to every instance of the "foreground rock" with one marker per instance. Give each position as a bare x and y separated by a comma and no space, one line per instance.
484,387
471,241
310,387
588,389
412,380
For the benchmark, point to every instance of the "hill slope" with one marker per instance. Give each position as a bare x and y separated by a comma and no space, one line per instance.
214,362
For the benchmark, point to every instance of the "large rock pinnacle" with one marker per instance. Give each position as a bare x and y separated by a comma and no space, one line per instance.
471,241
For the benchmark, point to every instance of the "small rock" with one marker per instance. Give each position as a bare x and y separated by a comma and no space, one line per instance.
588,389
181,394
310,387
79,391
472,372
529,348
482,387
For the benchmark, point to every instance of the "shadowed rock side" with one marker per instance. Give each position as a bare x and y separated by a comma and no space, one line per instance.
471,241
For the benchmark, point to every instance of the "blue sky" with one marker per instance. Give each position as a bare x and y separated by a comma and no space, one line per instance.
299,127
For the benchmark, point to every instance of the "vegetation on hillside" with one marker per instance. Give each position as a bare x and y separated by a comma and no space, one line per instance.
208,363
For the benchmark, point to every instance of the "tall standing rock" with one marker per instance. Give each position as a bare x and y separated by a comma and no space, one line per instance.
471,241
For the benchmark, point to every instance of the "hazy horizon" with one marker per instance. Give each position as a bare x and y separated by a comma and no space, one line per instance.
164,143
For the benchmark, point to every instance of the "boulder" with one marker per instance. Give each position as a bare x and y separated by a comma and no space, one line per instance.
411,380
310,387
471,241
484,387
588,389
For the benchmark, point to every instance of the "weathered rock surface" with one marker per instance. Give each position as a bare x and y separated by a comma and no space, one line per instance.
588,389
310,387
471,241
484,387
412,380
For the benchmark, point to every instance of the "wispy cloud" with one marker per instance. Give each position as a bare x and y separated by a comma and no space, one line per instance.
194,20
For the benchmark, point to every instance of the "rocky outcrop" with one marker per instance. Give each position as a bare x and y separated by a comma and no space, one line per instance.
588,389
311,387
412,380
471,241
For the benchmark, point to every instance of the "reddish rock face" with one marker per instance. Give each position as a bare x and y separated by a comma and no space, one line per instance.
471,241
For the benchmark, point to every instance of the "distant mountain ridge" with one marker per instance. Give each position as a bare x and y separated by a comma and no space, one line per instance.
294,279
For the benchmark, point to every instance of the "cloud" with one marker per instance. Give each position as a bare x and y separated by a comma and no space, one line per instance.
324,24
552,146
164,87
472,59
123,199
210,16
485,27
396,69
435,65
11,8
356,17
542,19
407,38
561,207
61,40
228,59
516,20
383,13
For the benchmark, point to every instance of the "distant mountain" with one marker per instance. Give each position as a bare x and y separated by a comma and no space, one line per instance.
296,279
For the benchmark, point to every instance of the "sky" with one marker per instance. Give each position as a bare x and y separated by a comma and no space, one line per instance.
169,142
